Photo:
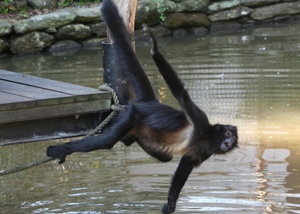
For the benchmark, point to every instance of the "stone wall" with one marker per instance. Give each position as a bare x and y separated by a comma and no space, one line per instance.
83,27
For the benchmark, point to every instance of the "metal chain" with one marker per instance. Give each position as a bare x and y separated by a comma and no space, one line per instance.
115,108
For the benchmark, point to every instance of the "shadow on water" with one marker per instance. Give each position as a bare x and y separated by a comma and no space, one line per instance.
250,78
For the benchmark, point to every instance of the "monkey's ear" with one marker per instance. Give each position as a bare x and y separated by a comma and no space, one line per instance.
217,131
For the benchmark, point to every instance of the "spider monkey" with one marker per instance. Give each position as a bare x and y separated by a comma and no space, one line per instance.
162,131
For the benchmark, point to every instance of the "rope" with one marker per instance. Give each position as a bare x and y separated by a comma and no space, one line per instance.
116,107
27,166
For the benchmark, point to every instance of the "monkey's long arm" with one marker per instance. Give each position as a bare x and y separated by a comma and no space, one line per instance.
176,86
124,122
181,175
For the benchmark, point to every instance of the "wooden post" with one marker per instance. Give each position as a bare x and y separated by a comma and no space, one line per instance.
127,10
113,75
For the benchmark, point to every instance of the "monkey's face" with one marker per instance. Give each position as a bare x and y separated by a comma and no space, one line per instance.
225,138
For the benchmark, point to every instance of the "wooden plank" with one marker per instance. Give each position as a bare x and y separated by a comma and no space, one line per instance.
81,93
43,97
29,98
10,102
55,111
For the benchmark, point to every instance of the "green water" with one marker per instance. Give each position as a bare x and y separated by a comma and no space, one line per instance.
249,78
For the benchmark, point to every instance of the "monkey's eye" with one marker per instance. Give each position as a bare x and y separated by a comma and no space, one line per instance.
228,133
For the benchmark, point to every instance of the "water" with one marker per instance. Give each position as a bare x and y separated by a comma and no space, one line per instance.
249,78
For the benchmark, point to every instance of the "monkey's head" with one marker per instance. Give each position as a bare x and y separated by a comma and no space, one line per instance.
225,138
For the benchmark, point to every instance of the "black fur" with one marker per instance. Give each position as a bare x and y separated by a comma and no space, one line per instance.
160,130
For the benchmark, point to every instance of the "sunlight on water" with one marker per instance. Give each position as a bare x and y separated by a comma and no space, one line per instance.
249,79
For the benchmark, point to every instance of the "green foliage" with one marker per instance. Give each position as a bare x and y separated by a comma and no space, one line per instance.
8,1
160,9
24,14
6,7
65,3
3,10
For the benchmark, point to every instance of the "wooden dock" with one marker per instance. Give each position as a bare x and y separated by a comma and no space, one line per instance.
33,108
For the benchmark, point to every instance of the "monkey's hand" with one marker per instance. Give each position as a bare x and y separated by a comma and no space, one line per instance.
168,208
60,152
154,48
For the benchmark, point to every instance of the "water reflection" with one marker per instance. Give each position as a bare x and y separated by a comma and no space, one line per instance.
250,79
